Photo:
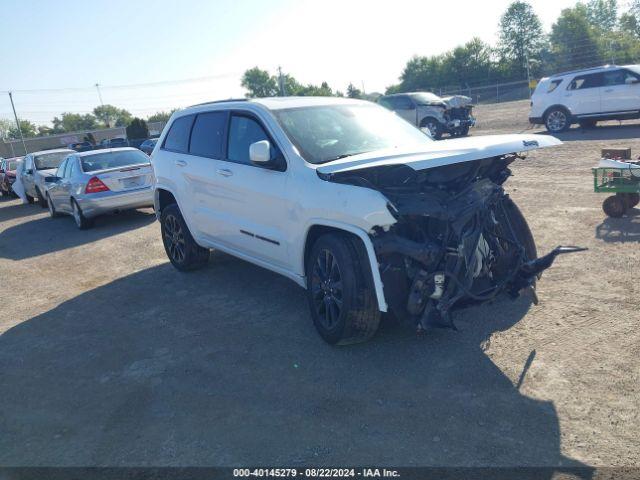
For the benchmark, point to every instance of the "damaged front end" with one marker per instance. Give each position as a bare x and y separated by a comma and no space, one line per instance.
458,237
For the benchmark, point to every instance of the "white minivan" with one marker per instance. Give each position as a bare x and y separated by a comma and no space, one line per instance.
586,96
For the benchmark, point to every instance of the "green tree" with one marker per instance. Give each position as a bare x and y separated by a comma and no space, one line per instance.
111,116
574,41
73,122
28,130
137,129
521,36
630,20
160,116
353,92
259,83
5,126
603,14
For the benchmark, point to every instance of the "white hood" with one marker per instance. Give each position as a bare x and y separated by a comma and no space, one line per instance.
444,152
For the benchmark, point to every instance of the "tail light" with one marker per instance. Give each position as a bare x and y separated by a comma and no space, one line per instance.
95,185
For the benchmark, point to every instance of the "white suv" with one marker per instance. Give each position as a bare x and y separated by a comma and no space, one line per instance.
349,201
586,96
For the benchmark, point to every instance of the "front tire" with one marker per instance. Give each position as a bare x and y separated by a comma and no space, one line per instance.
52,209
557,120
340,290
42,201
433,126
183,251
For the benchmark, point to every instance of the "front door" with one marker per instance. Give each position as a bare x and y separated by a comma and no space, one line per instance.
253,201
28,176
620,91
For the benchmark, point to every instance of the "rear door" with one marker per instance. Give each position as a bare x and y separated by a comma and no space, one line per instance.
620,91
55,190
582,95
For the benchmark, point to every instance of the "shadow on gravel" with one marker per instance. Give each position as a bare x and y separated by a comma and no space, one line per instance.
604,132
46,235
10,209
625,229
223,367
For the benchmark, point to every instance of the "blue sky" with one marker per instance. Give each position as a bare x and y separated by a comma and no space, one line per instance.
74,44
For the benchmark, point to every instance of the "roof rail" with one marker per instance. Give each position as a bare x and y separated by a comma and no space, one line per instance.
581,70
220,101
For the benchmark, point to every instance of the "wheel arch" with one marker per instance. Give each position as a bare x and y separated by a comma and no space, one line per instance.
558,106
318,228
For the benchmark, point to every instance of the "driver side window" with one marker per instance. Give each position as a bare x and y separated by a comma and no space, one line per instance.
60,171
243,131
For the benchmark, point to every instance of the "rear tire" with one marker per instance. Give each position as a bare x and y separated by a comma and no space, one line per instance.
614,206
340,290
183,251
82,222
557,120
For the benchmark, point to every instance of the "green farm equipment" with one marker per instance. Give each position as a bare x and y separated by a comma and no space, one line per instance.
621,177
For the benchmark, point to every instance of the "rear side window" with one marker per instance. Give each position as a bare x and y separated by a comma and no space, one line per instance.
207,134
178,136
553,85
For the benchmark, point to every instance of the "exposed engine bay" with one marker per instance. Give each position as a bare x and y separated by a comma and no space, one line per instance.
458,239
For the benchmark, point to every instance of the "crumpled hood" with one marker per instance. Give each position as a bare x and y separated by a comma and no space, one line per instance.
457,101
444,152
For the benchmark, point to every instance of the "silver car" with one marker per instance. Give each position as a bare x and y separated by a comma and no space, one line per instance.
37,167
88,184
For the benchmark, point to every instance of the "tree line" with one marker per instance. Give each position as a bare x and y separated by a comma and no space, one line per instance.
587,34
103,116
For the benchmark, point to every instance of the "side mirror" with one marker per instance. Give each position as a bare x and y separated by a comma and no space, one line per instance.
29,172
631,80
260,152
51,179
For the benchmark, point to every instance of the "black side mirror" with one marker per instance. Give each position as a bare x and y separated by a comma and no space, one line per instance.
51,179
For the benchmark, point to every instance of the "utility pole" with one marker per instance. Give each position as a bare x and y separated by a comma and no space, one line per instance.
526,57
24,145
99,94
281,82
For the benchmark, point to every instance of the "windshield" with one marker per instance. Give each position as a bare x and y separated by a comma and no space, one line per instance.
425,98
12,165
103,161
46,161
325,133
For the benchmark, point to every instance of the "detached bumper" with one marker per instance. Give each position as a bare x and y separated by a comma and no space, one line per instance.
106,202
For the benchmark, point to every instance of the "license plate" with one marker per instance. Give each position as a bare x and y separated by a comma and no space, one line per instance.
132,182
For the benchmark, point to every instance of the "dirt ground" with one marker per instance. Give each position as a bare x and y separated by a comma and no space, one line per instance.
108,356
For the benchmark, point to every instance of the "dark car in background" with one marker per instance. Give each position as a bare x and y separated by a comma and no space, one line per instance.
148,145
81,146
8,168
114,143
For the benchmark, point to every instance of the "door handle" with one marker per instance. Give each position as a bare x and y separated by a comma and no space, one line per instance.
225,172
180,163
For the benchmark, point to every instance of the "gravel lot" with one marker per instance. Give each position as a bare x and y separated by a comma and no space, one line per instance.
109,356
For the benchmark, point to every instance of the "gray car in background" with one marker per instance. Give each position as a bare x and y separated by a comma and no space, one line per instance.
88,184
37,167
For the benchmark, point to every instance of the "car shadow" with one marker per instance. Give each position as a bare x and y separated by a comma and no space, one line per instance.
624,229
600,132
47,235
11,208
223,367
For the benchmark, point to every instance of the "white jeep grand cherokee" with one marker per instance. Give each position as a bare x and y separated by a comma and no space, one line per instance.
349,201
